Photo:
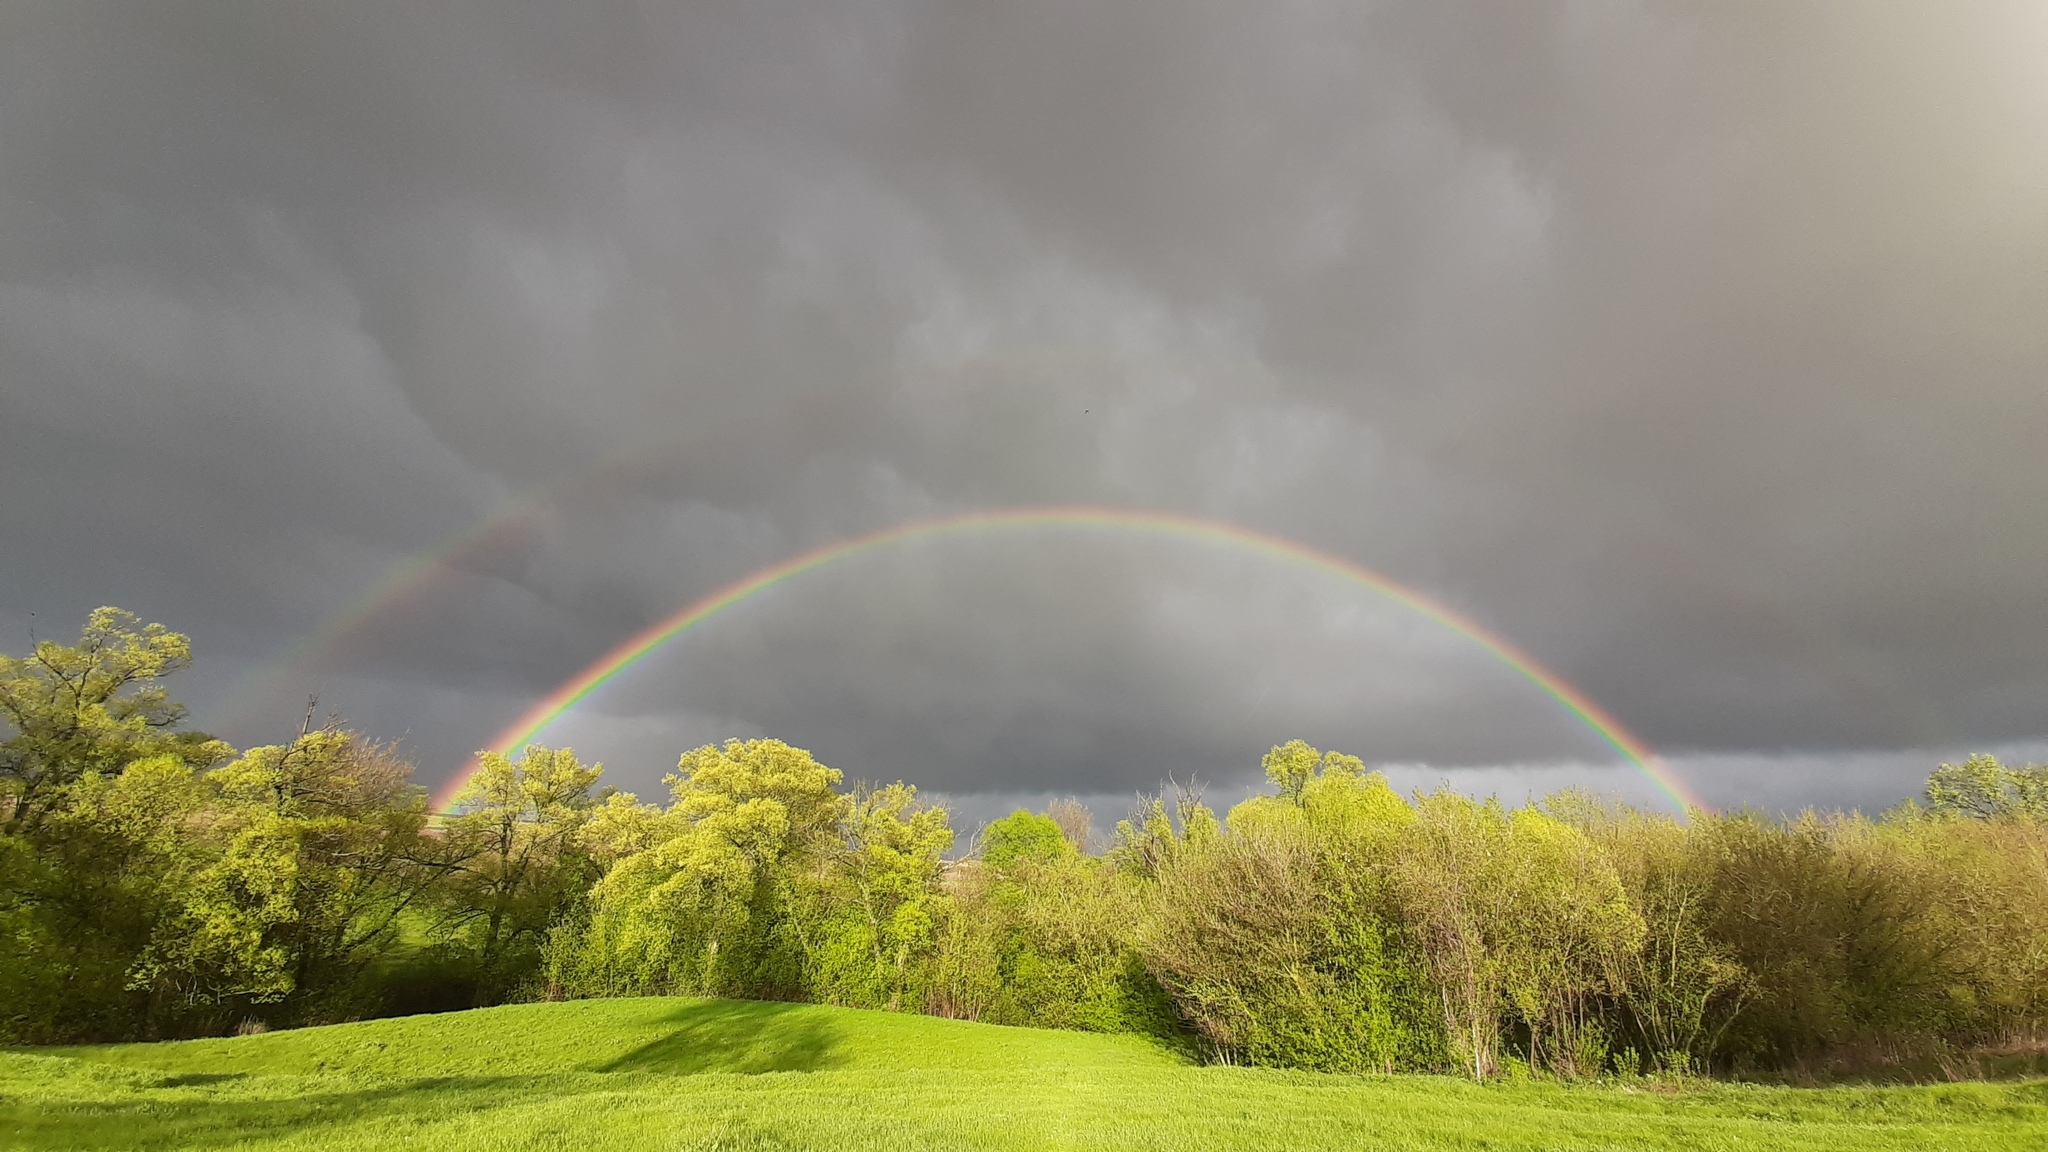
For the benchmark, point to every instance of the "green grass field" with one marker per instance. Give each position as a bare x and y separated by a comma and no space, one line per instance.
688,1074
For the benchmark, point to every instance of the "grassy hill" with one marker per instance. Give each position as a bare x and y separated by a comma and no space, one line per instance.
684,1074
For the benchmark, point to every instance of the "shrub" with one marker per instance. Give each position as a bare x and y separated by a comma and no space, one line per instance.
1281,941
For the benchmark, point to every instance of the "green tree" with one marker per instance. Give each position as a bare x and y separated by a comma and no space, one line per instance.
83,893
1049,941
702,907
1989,880
1280,939
100,822
1982,788
878,900
1023,835
1565,922
516,861
1679,986
322,850
90,707
1454,874
1143,846
1831,923
1290,767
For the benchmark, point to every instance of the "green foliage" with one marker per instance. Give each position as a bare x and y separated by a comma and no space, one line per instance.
1339,927
702,907
1982,788
1563,922
148,888
82,893
1577,938
1049,943
1282,941
1680,981
98,811
516,862
874,906
320,849
1290,766
1144,846
1023,836
95,706
1989,917
1825,925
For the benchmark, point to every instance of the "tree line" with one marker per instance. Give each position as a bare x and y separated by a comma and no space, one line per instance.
155,882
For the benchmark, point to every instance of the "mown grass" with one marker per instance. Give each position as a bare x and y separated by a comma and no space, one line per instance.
696,1074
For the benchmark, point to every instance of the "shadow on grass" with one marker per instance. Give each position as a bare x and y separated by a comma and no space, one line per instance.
2017,1059
711,1036
194,1079
201,1120
748,1036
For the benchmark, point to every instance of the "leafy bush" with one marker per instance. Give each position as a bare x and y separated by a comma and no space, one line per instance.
153,883
1282,943
1023,836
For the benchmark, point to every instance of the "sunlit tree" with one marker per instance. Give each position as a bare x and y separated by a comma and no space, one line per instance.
516,858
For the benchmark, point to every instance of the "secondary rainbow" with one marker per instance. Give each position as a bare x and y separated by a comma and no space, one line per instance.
634,648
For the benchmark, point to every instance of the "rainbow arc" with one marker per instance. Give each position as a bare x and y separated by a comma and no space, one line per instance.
637,647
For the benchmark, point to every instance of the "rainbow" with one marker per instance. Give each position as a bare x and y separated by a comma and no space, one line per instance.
636,647
409,582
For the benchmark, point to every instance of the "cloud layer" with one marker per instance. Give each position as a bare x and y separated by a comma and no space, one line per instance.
1699,350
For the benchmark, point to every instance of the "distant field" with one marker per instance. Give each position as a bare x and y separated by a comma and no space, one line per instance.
695,1074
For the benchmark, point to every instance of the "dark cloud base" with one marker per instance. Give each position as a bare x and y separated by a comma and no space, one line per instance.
1695,349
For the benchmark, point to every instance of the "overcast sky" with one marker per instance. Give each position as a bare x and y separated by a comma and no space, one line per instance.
1701,351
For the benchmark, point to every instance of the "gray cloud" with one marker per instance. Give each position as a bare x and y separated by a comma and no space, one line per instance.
1697,349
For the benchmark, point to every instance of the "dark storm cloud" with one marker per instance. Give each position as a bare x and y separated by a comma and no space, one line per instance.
1700,350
